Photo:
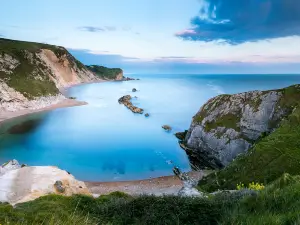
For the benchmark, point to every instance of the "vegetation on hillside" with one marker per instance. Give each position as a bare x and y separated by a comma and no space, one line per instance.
31,77
104,72
116,208
270,157
278,203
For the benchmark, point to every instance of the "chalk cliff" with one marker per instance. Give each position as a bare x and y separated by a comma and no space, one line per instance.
20,184
32,74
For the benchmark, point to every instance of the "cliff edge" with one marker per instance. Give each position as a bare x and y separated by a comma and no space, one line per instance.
107,73
229,125
34,73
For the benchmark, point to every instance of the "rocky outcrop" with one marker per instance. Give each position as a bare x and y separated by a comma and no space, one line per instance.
28,183
10,165
31,74
126,100
167,127
228,125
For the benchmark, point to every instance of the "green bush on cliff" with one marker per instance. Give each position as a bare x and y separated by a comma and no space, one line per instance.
104,72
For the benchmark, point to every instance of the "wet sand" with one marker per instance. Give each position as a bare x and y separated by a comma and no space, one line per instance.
157,186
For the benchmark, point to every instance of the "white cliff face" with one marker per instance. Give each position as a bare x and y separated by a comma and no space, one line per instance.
228,125
28,183
8,63
10,165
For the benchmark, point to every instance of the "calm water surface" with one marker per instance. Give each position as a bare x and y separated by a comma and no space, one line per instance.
104,141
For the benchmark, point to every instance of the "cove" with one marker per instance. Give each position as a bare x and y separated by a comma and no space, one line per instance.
104,141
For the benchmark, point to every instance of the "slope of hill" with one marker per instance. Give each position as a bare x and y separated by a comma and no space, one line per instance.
254,135
106,73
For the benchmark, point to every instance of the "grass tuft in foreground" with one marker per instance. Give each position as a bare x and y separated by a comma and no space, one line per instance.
278,203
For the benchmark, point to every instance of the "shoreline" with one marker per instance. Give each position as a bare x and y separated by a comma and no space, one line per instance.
7,115
166,185
65,103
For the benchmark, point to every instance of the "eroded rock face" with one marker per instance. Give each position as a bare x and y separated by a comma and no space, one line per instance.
64,71
10,165
31,77
28,183
229,125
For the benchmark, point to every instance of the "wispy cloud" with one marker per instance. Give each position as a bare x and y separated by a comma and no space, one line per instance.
94,29
91,29
239,21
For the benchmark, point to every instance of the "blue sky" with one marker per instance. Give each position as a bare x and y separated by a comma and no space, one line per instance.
165,36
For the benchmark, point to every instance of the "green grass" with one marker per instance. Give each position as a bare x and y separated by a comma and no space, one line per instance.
278,203
104,72
229,121
211,105
116,208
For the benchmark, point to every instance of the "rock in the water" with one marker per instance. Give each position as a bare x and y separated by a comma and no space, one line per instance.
228,125
10,165
134,90
126,100
181,135
147,115
167,127
59,186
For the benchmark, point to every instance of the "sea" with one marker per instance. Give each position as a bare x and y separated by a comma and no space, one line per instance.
104,141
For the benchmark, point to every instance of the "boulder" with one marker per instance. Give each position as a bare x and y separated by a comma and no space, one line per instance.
147,115
134,90
181,135
167,127
59,186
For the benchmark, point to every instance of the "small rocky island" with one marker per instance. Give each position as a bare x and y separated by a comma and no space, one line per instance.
167,127
126,100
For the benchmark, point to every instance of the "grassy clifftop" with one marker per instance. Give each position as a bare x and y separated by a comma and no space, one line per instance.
106,73
270,157
22,70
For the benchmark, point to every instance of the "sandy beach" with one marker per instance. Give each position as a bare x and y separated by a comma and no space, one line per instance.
64,103
156,186
5,115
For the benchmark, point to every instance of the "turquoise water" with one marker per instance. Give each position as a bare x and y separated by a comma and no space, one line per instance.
104,141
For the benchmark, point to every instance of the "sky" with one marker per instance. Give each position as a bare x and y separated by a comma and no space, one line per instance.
165,36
